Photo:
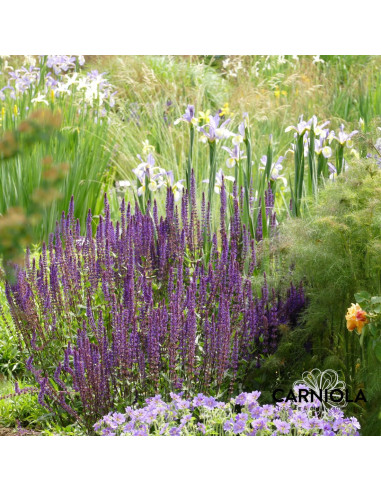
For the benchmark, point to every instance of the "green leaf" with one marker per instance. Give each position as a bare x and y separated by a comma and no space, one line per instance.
376,300
377,350
373,329
362,296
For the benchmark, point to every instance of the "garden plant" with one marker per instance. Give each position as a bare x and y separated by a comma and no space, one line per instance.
182,236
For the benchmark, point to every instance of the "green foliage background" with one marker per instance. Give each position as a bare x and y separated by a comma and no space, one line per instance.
336,251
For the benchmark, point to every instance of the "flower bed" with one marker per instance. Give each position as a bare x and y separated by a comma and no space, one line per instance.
206,416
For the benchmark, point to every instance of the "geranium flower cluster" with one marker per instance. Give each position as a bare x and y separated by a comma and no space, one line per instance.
140,308
242,416
58,76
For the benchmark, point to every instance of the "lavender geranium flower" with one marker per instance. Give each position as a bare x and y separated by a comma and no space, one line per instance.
300,419
355,423
198,401
111,422
201,427
314,423
337,424
268,410
228,425
119,418
163,430
97,425
175,431
241,399
253,396
142,431
325,426
129,427
284,405
282,427
184,420
239,426
328,433
108,432
255,410
259,424
210,402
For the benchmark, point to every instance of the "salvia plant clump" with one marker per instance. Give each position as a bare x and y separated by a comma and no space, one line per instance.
146,305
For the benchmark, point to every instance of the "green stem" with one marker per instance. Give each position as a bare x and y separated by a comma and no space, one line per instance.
246,183
212,172
340,159
299,176
189,163
312,184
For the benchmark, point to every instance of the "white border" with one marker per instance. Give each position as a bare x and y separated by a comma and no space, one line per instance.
188,464
197,27
190,27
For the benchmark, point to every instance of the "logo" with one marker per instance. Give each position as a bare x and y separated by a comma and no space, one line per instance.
323,389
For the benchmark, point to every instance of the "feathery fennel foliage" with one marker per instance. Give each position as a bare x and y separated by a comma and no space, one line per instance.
336,250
